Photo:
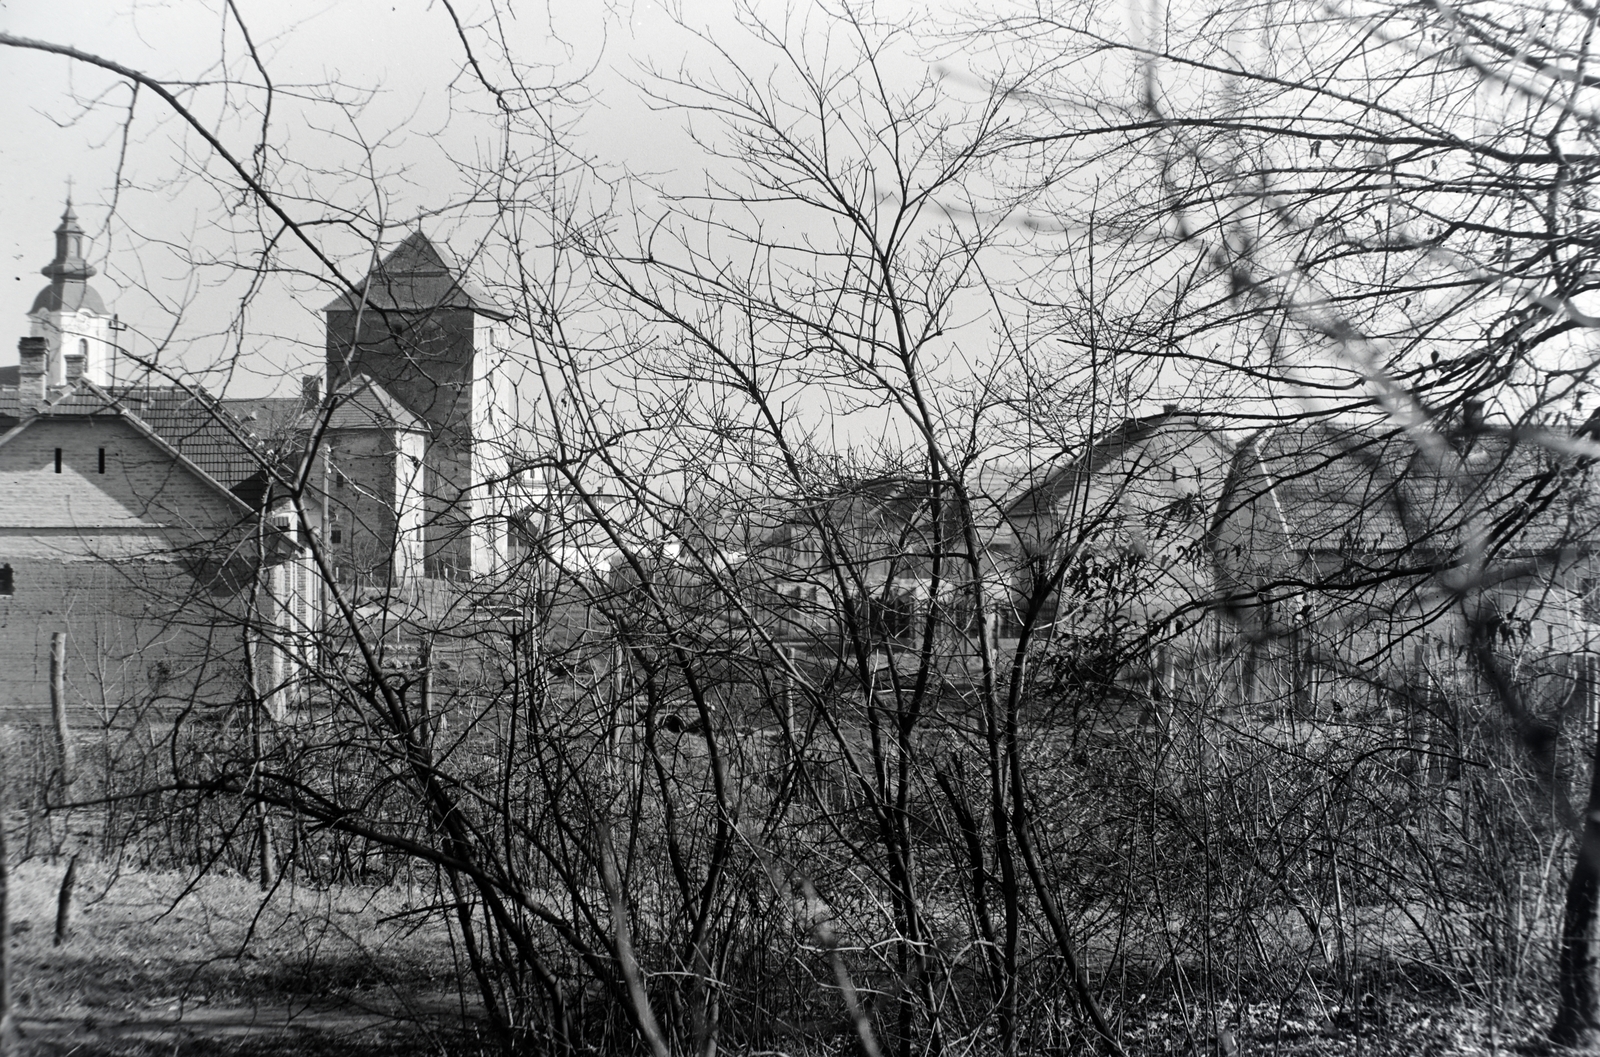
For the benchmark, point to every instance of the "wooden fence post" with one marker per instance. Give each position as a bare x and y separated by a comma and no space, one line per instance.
7,1028
69,773
58,709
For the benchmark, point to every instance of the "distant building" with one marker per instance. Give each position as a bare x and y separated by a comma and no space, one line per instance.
181,541
155,524
157,558
68,314
423,332
1342,552
364,482
1121,527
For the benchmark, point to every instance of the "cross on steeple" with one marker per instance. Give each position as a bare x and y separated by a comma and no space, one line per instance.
69,262
68,313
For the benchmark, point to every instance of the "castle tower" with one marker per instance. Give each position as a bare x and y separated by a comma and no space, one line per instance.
68,313
436,342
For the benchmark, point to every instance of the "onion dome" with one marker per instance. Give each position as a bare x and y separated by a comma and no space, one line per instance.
69,290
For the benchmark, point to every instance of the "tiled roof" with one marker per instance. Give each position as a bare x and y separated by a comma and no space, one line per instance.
1367,488
1334,486
191,423
268,417
84,399
417,277
1172,428
204,429
1523,496
199,426
362,403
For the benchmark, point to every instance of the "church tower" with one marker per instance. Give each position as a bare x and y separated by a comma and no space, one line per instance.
68,313
426,333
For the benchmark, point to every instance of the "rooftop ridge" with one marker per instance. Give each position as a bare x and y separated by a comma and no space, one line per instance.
417,276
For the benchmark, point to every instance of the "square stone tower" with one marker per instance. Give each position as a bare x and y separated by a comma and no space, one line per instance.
423,331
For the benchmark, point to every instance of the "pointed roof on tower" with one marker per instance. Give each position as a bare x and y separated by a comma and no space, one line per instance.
68,273
418,276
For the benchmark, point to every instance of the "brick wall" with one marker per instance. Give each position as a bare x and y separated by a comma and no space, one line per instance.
426,361
376,504
141,489
139,636
127,562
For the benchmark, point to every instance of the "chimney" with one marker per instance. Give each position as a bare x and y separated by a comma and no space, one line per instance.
311,390
75,362
31,375
1169,409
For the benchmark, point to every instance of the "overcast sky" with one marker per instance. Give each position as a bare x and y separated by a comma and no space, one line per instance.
61,120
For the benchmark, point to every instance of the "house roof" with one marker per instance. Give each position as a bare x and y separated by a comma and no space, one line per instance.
1332,486
85,399
190,421
362,403
201,427
417,276
268,417
1366,487
1047,487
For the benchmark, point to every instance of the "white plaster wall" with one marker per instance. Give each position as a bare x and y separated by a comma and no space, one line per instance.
410,507
64,330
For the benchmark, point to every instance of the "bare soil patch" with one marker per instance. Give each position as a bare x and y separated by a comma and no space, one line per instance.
154,965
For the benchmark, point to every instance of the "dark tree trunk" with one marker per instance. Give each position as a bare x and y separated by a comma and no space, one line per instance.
64,903
1578,1020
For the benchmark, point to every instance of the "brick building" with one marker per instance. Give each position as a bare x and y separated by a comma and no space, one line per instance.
154,568
420,330
364,487
178,564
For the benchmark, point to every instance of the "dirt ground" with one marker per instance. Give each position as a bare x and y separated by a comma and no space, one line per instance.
220,971
358,973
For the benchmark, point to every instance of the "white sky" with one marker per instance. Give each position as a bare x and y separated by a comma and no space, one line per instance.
61,120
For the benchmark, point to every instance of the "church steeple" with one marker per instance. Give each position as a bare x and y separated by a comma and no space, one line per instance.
69,264
68,313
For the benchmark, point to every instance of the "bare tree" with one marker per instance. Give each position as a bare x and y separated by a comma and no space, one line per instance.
1358,210
855,651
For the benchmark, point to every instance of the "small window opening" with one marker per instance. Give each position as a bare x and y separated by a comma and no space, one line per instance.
8,583
338,536
102,460
58,460
338,479
83,347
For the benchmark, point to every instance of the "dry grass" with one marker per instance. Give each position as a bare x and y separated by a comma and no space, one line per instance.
223,967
